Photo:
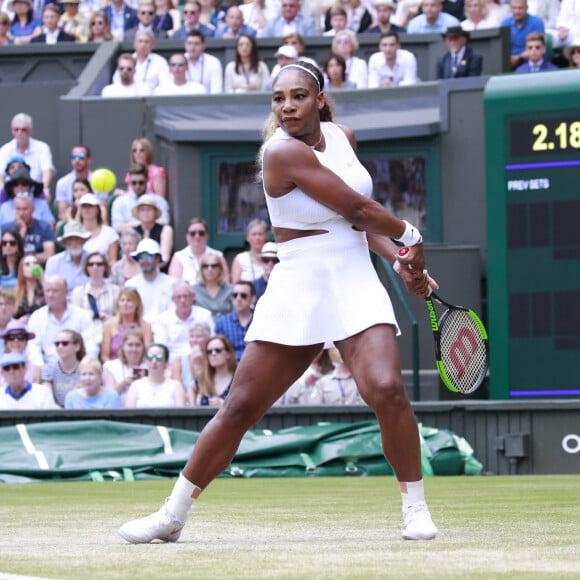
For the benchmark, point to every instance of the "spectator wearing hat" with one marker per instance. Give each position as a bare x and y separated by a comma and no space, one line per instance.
51,33
24,24
36,154
16,337
14,163
102,238
460,60
269,255
148,213
285,55
202,67
392,65
385,10
21,184
20,394
536,50
74,22
154,287
290,20
572,53
7,305
58,315
80,160
38,235
432,20
70,263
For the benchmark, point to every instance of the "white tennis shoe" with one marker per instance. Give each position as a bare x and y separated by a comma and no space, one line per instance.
162,525
418,523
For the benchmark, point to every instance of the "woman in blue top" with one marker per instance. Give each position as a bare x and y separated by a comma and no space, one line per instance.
92,394
324,289
24,24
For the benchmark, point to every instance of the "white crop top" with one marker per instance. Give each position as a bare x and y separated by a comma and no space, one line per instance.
296,209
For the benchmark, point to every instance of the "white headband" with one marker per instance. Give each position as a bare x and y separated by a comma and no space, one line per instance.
305,70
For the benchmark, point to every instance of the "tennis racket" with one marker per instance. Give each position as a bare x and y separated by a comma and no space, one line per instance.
461,346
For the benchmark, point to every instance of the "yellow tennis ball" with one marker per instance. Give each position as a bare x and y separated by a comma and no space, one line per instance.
103,180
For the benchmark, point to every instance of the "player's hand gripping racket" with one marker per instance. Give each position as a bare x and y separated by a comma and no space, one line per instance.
461,346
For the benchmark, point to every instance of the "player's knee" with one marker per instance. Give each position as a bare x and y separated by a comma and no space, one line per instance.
389,391
240,411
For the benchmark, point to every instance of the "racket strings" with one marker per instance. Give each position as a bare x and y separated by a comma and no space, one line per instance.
463,350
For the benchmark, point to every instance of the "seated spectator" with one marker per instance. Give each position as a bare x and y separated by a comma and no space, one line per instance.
234,25
119,373
142,153
212,13
290,20
102,238
285,55
126,86
478,16
128,316
548,11
72,214
214,382
202,68
121,17
20,184
122,208
339,387
460,60
126,267
171,326
167,17
568,23
213,291
16,337
235,324
297,41
256,13
385,10
20,394
37,234
70,263
269,255
98,295
56,316
24,25
12,254
572,53
392,65
80,159
62,374
51,33
74,22
92,394
154,286
148,213
185,368
247,72
191,14
155,389
7,305
358,18
536,51
248,265
432,20
29,291
178,84
146,15
14,163
346,44
521,24
99,29
337,21
335,72
185,263
36,154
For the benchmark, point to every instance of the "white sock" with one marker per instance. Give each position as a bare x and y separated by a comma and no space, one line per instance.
412,493
180,502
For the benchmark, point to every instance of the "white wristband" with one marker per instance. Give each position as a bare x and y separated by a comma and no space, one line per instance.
411,236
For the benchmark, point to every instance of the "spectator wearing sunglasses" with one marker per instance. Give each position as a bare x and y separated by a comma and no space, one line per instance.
156,389
191,14
124,83
235,324
146,14
178,83
213,291
20,394
80,160
10,257
16,337
269,255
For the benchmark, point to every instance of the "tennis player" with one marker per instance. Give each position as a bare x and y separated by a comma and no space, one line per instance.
324,289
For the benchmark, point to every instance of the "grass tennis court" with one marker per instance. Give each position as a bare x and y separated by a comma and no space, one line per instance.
490,527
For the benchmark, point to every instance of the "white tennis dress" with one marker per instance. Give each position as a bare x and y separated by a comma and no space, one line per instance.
325,287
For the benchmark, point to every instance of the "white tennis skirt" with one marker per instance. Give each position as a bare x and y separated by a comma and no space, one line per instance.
324,289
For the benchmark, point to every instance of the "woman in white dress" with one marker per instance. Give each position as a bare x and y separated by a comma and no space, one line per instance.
248,265
104,238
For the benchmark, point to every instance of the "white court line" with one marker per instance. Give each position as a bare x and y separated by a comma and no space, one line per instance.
164,434
19,577
30,448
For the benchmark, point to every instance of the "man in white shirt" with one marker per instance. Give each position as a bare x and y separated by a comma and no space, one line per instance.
171,327
37,154
178,83
80,159
126,86
57,315
202,67
392,65
154,286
